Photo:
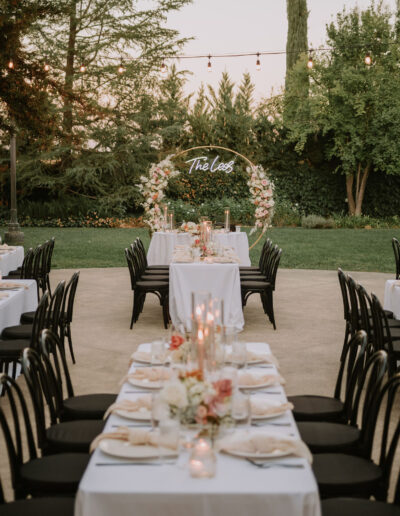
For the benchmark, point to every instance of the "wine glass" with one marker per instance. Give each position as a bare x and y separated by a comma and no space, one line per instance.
241,408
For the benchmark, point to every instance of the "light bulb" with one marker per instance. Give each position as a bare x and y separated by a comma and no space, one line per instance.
368,59
46,67
163,69
209,65
258,63
310,63
121,68
82,68
11,64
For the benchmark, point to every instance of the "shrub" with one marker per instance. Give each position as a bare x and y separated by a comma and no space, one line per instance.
317,222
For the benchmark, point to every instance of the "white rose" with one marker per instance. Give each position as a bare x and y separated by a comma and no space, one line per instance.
174,393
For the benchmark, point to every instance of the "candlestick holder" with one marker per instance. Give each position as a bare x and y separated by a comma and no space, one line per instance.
227,214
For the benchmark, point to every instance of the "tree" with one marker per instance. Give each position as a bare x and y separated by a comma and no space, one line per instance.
355,105
297,41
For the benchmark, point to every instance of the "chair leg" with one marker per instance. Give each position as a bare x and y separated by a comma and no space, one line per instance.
269,303
133,311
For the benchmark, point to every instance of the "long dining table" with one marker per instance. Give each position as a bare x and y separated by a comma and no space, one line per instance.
11,257
118,486
16,297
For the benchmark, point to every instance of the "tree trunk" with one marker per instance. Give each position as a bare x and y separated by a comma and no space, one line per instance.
68,122
297,41
355,198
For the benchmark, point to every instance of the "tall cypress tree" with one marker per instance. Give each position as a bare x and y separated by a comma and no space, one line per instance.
297,41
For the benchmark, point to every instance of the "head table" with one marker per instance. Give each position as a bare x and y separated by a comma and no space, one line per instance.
162,245
113,486
14,302
10,258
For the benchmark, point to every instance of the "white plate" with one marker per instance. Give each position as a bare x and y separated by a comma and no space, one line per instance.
144,415
145,384
273,455
275,383
143,360
271,416
124,450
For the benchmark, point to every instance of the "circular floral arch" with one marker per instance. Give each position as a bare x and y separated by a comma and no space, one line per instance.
154,184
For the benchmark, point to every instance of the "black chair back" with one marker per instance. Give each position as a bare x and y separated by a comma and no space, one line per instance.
129,260
54,311
272,266
345,294
396,250
39,320
67,310
382,334
26,267
353,350
17,430
366,323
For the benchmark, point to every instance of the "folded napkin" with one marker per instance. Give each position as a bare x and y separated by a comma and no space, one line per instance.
141,356
135,437
4,284
257,379
263,407
268,358
182,258
144,402
7,247
152,374
264,443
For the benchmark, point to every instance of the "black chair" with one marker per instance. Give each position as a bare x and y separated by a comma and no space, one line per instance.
142,287
265,287
343,475
70,408
143,274
325,408
59,437
147,266
32,475
385,336
328,437
260,269
24,331
396,250
11,350
346,303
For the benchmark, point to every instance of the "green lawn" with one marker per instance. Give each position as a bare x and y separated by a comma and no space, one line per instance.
351,249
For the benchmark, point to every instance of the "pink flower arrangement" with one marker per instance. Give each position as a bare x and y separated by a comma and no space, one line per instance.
261,190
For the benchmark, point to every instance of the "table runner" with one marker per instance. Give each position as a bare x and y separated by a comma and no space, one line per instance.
238,488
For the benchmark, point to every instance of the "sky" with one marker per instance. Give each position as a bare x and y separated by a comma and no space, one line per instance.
236,26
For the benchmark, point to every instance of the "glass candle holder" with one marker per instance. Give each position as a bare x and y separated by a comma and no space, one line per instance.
202,463
227,215
171,221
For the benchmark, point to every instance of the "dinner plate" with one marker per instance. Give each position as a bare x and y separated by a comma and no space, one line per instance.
125,450
274,403
140,359
260,385
142,415
247,455
145,384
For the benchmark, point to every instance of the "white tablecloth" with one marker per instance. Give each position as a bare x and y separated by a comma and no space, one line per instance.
17,302
11,260
162,246
238,488
392,297
222,280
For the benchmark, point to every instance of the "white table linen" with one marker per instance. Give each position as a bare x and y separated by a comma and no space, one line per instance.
11,260
222,280
238,487
392,297
17,302
162,246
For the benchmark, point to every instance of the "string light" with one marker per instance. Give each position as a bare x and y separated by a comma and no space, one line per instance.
258,62
46,67
368,59
11,64
310,62
121,68
209,65
163,69
82,68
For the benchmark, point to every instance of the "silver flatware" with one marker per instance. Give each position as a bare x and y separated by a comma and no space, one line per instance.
133,425
127,464
267,465
269,423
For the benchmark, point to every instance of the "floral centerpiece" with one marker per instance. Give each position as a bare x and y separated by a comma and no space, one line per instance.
152,188
179,349
189,227
198,401
262,191
206,249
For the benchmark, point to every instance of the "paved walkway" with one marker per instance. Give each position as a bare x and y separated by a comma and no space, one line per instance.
307,342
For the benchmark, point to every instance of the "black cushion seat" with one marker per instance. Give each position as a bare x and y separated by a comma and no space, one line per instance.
152,285
252,278
325,437
154,278
72,436
11,347
56,506
317,408
357,507
255,285
55,474
87,406
20,331
338,474
157,267
27,317
249,268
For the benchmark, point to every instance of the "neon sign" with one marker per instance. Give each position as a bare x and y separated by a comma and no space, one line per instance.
213,165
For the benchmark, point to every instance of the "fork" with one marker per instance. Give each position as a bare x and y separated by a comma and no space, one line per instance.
268,423
267,465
